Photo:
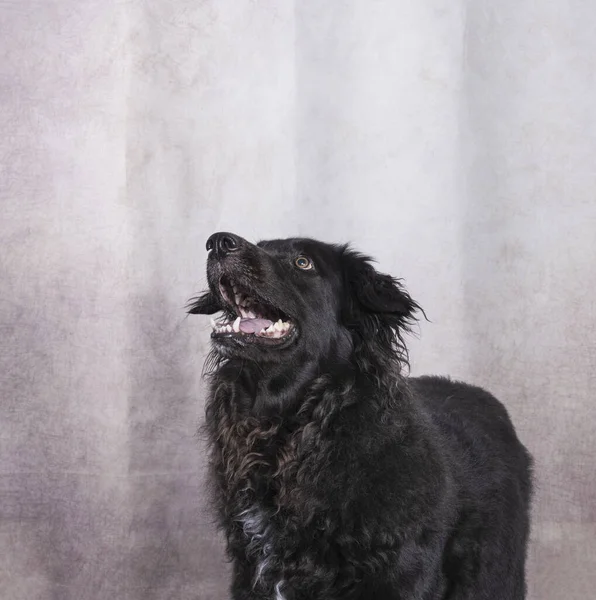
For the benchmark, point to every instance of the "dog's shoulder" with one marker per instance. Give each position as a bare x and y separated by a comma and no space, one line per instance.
445,393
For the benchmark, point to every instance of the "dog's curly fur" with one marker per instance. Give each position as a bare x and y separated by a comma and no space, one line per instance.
335,475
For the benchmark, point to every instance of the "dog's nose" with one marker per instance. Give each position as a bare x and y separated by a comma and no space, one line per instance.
223,243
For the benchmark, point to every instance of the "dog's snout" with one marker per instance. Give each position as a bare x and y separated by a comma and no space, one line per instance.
223,243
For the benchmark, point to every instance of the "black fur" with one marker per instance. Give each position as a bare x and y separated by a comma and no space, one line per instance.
334,475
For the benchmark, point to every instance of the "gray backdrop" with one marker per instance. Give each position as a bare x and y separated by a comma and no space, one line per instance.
453,139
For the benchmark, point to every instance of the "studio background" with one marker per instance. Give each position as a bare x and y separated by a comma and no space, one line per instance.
454,140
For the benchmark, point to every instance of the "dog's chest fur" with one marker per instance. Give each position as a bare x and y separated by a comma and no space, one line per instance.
270,488
257,463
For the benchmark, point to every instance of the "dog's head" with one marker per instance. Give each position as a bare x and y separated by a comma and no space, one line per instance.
289,299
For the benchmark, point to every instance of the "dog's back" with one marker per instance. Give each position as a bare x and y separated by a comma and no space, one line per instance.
493,471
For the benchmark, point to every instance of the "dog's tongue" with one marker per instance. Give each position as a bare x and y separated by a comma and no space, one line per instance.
254,325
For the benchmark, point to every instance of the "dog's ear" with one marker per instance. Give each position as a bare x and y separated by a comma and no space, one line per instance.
377,293
205,304
380,293
377,309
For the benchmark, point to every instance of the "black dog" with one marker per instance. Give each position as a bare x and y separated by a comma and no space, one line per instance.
335,477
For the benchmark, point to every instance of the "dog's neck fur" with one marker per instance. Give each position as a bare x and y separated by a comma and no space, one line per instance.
280,387
270,388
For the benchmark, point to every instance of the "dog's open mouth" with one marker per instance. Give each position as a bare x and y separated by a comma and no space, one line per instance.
254,317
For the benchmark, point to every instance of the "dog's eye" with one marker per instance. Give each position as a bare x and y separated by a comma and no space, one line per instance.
304,263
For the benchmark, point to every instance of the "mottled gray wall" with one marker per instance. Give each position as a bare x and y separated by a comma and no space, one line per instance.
453,139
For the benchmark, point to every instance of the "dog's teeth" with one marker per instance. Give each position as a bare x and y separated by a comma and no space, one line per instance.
213,324
236,325
238,298
250,314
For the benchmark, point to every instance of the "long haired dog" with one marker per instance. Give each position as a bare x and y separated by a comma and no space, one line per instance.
335,477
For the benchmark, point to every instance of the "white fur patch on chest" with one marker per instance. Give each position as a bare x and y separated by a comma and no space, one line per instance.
261,542
278,593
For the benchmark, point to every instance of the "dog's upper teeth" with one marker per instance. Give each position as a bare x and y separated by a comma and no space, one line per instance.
236,325
238,299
